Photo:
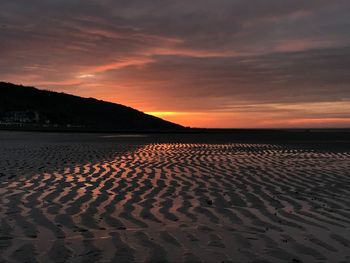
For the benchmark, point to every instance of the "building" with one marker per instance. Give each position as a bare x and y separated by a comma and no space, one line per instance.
27,116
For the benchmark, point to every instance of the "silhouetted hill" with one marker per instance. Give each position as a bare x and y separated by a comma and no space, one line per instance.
28,106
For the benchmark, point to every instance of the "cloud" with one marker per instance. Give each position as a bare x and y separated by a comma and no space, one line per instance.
189,56
307,76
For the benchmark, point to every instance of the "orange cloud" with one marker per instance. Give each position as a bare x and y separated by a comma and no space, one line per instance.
125,62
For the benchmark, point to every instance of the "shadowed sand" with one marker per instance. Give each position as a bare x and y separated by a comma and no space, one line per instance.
91,198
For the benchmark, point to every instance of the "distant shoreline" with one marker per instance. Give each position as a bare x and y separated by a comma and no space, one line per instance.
61,128
309,136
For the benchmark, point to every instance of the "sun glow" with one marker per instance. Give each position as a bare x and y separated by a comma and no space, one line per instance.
162,114
86,76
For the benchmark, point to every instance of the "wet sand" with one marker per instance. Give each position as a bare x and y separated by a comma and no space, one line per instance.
120,198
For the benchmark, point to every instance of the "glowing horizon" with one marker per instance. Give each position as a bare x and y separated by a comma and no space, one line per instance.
199,63
205,120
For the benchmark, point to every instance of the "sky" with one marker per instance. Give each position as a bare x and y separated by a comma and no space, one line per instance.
200,63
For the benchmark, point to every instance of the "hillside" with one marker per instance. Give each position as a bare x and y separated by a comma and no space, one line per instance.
28,106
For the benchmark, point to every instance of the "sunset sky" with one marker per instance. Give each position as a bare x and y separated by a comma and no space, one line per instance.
200,63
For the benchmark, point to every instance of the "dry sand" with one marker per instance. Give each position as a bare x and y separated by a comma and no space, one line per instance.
101,198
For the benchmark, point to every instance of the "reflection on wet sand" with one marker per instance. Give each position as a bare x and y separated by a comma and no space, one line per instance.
179,202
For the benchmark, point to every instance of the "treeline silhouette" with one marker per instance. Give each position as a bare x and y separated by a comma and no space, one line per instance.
53,108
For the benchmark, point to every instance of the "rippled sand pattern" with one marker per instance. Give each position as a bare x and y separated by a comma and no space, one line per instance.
177,202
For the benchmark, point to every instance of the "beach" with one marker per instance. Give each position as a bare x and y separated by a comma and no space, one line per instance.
163,198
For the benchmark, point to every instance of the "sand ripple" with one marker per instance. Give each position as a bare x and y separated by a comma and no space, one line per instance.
175,202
